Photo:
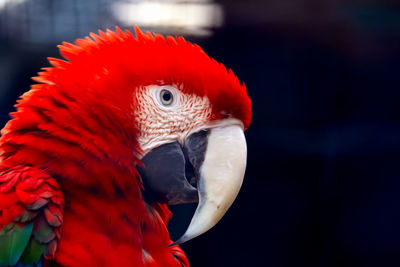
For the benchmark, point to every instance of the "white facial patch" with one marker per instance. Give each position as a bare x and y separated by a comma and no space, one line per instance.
162,120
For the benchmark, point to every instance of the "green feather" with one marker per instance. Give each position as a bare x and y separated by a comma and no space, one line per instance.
13,244
33,252
43,232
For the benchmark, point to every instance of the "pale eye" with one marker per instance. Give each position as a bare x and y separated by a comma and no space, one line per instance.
166,97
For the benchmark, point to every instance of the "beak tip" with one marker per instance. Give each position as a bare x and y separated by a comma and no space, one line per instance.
180,241
173,244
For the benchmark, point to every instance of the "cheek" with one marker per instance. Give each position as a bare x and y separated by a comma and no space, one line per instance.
157,125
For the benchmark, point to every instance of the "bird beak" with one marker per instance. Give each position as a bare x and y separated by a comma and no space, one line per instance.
214,160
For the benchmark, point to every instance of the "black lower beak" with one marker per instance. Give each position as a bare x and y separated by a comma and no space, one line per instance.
171,171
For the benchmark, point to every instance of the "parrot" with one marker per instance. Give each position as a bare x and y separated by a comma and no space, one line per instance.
111,133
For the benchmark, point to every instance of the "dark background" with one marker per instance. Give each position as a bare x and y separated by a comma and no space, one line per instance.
322,186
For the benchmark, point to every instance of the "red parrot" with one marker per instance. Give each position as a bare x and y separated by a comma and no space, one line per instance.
106,139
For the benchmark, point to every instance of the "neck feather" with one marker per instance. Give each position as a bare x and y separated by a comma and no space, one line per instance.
80,143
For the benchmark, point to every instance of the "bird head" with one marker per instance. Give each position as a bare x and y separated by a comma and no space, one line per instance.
158,107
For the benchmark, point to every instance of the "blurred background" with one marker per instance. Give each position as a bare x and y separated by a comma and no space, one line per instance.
322,186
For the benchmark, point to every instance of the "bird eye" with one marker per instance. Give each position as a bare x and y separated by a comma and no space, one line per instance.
166,97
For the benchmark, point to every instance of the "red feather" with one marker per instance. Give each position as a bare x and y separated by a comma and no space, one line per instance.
28,201
76,128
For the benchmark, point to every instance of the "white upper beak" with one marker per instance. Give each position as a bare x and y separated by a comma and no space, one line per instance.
221,176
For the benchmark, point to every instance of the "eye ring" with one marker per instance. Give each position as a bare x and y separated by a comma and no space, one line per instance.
166,97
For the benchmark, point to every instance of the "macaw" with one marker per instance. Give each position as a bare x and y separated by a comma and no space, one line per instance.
107,138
